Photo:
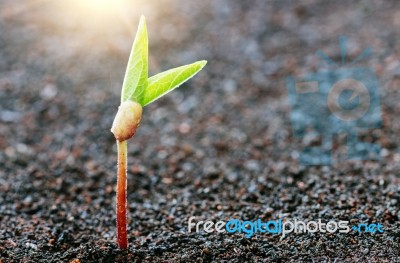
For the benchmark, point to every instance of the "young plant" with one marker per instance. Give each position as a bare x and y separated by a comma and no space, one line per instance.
138,91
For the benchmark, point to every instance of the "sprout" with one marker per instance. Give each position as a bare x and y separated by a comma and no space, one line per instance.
138,91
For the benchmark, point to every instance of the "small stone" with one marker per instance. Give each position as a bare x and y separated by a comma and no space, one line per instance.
31,246
184,128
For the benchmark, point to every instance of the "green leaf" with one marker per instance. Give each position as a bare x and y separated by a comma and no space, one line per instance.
164,82
135,80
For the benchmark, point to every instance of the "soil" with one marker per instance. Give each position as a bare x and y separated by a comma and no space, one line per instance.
220,147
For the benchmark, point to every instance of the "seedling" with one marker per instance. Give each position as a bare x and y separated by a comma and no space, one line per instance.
138,91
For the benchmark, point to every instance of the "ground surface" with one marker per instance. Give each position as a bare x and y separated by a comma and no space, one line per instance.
220,148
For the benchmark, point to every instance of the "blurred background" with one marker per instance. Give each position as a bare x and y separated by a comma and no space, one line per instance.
219,147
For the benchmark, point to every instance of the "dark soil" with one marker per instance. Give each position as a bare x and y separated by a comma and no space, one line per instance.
218,148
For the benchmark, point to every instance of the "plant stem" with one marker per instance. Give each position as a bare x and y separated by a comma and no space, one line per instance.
121,195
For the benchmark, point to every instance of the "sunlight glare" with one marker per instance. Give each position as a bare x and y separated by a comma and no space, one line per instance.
98,6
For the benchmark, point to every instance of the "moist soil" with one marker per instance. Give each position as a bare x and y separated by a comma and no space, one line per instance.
218,148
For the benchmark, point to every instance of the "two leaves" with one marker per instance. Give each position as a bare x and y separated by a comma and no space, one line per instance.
138,87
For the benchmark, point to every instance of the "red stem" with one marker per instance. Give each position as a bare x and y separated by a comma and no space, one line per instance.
121,196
